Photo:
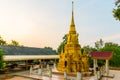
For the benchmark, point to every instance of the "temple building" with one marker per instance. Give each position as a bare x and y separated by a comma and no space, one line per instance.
71,59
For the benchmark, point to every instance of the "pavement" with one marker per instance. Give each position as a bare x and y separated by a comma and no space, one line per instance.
25,75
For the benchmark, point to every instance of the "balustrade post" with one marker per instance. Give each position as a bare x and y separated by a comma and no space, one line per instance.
31,69
50,72
79,76
65,75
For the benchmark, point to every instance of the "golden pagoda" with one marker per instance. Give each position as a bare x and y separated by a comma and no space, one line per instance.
71,58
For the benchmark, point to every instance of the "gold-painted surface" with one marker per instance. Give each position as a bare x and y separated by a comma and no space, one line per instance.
72,60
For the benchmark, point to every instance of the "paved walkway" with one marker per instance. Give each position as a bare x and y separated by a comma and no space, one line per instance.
26,76
113,73
20,78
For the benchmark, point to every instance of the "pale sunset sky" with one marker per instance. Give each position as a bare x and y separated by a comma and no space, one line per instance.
40,23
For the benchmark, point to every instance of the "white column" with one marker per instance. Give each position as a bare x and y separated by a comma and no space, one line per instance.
48,66
98,73
79,76
94,65
107,67
54,65
50,72
96,76
40,71
31,69
65,75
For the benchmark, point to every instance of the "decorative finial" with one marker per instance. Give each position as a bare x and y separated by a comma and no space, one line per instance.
72,25
72,22
72,5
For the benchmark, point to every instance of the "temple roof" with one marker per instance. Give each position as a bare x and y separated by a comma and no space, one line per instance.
101,55
17,50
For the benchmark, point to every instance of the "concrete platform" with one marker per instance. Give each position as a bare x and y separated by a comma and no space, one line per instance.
56,75
59,76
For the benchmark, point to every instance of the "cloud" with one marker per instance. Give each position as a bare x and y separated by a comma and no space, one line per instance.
112,38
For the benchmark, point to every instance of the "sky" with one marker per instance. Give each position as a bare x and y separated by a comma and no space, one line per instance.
40,23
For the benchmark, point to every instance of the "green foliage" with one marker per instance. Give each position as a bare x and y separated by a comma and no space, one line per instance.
82,50
99,44
48,48
89,49
116,11
61,47
117,2
101,63
14,43
62,44
2,42
2,63
109,46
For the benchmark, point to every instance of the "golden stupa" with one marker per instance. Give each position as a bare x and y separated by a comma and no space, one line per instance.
71,59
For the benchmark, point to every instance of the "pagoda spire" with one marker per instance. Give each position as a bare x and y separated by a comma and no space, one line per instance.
71,59
72,25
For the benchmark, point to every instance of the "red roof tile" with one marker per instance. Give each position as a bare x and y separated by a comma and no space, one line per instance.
101,55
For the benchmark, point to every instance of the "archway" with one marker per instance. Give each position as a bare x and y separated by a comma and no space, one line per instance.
101,56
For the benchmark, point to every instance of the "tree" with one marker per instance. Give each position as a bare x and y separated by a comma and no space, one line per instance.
111,44
48,48
102,47
117,2
62,44
2,42
89,49
14,43
2,63
116,11
115,48
99,44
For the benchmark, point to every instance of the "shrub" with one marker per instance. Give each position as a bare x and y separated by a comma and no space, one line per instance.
2,63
